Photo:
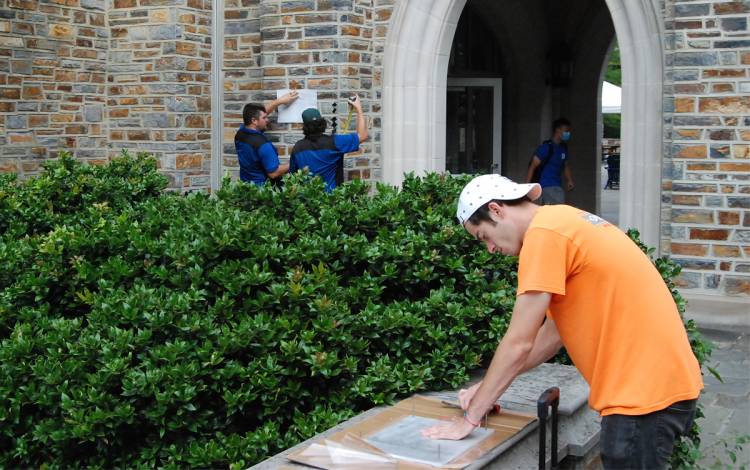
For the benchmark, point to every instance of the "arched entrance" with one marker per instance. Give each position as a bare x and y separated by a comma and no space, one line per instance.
414,101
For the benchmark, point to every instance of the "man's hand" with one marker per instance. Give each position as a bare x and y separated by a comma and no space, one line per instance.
289,97
283,99
466,394
569,186
356,103
453,430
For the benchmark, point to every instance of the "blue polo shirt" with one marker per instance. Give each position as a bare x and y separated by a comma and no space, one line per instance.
256,154
552,171
321,155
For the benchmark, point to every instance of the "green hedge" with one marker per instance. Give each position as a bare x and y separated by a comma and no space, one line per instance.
144,328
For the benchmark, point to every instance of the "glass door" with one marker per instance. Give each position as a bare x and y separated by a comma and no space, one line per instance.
472,127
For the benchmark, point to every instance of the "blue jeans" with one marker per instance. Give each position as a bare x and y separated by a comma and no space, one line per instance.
645,441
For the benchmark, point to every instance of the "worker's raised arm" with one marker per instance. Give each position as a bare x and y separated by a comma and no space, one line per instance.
361,124
283,99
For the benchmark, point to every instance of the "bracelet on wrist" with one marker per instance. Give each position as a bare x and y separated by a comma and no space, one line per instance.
466,417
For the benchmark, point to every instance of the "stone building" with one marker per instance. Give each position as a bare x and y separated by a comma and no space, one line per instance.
457,85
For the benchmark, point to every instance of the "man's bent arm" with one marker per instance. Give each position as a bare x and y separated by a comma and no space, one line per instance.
281,170
513,353
535,162
546,345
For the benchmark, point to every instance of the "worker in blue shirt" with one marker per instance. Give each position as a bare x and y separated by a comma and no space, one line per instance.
259,160
319,152
551,164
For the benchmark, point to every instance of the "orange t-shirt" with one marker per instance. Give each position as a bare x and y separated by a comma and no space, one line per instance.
615,315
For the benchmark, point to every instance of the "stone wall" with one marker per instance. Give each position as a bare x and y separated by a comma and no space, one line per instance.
158,93
332,46
95,77
52,81
707,174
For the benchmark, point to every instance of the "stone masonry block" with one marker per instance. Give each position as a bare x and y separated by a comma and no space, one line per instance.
293,58
93,113
689,249
733,44
689,151
734,24
727,251
316,18
335,5
296,6
684,105
314,31
720,151
688,280
62,31
695,264
737,285
165,32
685,75
698,121
689,9
739,202
241,27
724,73
722,134
685,200
741,151
694,188
682,59
709,234
693,216
725,105
732,7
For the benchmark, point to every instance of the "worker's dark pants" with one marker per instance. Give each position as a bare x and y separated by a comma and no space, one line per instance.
645,441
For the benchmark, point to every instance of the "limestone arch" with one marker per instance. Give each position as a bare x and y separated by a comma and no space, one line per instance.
415,70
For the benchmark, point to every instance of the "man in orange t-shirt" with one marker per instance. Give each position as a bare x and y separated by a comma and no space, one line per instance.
583,284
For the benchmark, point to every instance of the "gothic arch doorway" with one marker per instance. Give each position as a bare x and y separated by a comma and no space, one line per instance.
415,85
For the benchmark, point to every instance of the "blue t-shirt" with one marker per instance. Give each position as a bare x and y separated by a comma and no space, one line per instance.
552,171
322,155
256,154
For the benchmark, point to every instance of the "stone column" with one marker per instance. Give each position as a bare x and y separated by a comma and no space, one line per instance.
52,74
158,85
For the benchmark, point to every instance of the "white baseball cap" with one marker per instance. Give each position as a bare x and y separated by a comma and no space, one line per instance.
485,188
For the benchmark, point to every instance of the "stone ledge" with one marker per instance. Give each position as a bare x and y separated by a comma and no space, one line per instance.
578,433
718,312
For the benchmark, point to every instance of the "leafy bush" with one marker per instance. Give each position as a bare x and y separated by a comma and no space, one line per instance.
144,328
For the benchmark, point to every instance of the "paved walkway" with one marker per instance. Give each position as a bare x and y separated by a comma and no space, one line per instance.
726,404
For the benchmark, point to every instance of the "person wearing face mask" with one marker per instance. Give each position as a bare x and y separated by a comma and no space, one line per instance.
549,165
614,315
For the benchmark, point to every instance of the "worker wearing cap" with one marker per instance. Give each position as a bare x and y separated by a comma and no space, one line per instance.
258,158
320,153
583,284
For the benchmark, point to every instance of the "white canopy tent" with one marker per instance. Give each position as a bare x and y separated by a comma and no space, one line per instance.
611,98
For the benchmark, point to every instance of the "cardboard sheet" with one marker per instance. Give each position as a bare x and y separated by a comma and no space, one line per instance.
504,426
